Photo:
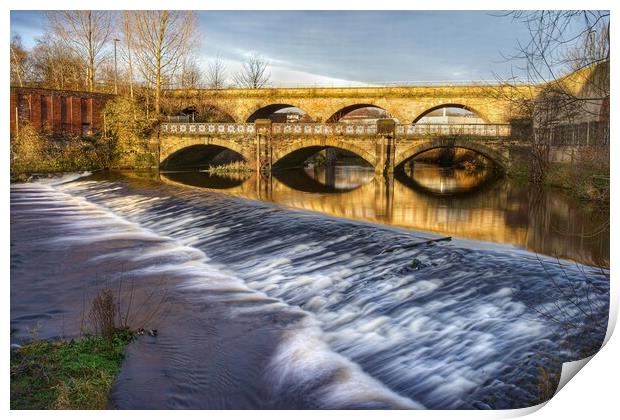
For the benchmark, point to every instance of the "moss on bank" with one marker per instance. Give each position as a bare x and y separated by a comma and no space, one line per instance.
584,181
76,374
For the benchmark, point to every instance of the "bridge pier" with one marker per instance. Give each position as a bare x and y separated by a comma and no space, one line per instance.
264,152
386,146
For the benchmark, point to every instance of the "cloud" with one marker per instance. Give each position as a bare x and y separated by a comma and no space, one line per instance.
348,46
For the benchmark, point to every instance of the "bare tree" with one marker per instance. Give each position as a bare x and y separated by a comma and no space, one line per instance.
55,66
565,65
126,50
253,74
19,60
85,32
190,76
563,50
216,74
162,40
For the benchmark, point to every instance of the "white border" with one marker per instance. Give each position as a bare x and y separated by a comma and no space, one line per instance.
592,395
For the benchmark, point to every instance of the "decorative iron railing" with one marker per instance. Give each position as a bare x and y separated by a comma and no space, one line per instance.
207,128
324,128
485,130
344,129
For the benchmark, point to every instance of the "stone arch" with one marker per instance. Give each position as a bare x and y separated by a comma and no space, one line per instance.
173,148
300,150
267,110
337,115
201,106
494,155
452,105
229,116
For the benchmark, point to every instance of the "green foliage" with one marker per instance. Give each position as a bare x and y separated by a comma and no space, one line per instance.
584,181
128,131
66,374
519,173
32,151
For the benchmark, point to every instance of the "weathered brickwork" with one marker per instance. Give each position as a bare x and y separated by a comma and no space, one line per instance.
57,111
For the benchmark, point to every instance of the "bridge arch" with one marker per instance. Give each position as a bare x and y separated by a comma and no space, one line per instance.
340,113
298,151
266,111
412,151
209,112
452,105
197,149
203,111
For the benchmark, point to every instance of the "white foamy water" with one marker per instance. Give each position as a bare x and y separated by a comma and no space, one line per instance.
299,353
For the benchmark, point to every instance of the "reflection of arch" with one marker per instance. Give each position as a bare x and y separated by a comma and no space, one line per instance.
187,152
297,179
451,105
206,180
297,152
336,116
407,181
266,111
495,156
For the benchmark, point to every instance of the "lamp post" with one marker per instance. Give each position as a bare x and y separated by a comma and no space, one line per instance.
115,68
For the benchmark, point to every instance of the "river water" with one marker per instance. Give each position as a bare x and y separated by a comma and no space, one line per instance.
260,303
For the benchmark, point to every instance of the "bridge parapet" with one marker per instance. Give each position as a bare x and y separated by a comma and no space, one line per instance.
340,129
482,130
207,128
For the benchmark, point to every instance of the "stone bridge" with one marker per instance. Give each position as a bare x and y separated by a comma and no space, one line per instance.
405,104
385,145
494,104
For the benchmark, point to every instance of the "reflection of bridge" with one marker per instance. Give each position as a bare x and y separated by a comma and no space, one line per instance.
383,145
504,213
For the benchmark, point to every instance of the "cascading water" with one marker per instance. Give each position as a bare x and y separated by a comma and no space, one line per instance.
264,307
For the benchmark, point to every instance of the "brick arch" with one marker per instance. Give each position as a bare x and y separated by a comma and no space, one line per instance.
459,104
494,155
173,148
319,143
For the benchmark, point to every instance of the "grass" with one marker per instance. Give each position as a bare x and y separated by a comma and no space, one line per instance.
76,374
584,181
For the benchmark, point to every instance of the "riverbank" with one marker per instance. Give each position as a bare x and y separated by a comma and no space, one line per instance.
587,182
60,374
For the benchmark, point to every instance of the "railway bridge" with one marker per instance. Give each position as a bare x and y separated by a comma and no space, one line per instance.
244,125
384,145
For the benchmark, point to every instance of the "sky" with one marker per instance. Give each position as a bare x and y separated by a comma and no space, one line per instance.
348,47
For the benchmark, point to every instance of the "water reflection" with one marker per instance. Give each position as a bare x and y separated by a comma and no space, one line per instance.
326,179
447,201
437,180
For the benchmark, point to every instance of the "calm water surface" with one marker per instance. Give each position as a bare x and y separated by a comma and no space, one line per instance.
455,202
262,304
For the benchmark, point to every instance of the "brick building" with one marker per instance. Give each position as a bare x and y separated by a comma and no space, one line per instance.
57,111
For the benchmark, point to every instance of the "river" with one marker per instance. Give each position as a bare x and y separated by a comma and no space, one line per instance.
316,288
